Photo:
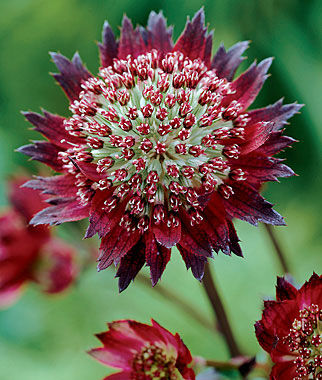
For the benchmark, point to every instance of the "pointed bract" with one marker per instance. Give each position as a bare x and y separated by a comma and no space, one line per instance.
192,42
72,74
285,290
246,204
226,62
159,36
277,113
156,256
131,41
247,86
64,210
43,151
130,265
109,46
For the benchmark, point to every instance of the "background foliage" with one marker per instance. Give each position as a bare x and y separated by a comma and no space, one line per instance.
46,338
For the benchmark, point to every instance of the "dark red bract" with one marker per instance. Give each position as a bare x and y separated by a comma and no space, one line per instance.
161,149
143,352
291,330
29,253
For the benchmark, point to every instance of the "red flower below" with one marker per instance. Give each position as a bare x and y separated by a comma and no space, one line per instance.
291,330
29,253
143,352
161,149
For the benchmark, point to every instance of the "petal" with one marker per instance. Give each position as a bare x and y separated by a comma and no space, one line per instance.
260,168
72,74
43,151
277,113
188,374
264,337
234,240
89,170
275,143
8,296
285,290
63,185
52,127
159,37
195,262
167,335
310,292
56,269
109,47
131,41
130,265
255,136
220,230
192,42
115,355
115,245
194,239
119,376
156,256
248,84
64,210
166,234
283,371
123,333
247,204
226,63
129,336
215,225
26,202
146,333
208,49
184,355
278,317
102,222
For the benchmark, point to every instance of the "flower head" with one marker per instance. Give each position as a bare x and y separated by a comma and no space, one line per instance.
143,352
160,149
290,330
29,253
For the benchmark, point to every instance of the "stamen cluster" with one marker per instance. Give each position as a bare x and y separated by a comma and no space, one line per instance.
156,131
153,364
305,341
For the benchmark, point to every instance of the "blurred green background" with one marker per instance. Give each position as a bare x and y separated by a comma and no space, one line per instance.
46,338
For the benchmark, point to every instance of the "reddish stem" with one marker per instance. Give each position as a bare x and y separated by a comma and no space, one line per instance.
219,312
278,249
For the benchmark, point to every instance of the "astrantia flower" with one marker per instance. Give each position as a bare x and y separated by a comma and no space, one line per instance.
143,352
291,330
29,253
160,149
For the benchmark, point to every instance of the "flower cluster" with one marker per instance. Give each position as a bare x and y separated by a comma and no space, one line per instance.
160,149
143,352
291,330
29,253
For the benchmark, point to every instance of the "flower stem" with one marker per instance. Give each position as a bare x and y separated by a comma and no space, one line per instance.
278,249
219,311
176,300
249,365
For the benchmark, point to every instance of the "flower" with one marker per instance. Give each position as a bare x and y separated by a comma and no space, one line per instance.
143,352
160,149
291,330
29,253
